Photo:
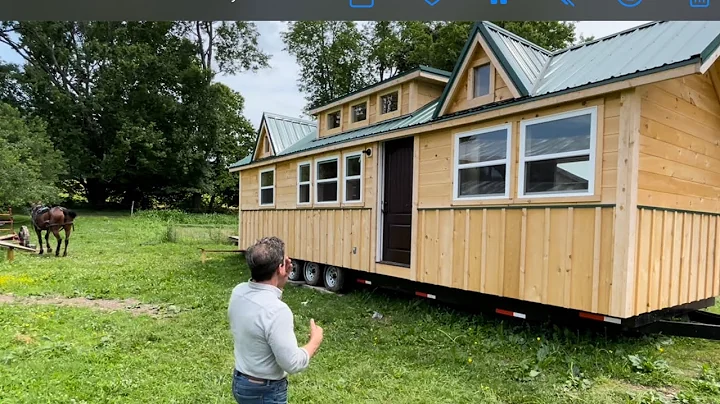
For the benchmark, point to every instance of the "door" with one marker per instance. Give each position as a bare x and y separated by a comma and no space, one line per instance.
397,201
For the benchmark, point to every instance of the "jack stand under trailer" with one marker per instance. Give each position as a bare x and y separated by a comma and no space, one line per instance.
693,322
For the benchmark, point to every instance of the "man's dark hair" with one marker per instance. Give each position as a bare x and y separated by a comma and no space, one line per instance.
264,257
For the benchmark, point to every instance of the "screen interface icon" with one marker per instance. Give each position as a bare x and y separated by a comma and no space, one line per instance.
699,3
630,3
362,3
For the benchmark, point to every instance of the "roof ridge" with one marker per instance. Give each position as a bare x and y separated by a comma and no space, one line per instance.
517,37
289,118
606,37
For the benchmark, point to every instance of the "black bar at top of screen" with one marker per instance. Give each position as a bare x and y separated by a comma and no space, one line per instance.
401,10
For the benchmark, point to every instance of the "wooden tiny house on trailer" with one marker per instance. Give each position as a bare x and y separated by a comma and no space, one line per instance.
585,179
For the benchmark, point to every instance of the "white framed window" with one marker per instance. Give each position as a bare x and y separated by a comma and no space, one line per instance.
557,155
327,174
352,177
267,187
482,169
304,180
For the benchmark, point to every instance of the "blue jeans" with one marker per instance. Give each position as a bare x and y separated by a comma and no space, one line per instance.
249,391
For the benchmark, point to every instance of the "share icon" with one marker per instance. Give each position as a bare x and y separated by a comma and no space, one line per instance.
568,3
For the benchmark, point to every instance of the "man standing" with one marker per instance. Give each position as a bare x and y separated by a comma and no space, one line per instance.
266,349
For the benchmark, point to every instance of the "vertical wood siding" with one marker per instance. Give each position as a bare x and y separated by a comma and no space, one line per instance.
560,256
328,236
678,258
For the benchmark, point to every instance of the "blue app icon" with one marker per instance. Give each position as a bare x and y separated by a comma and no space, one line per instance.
362,3
699,3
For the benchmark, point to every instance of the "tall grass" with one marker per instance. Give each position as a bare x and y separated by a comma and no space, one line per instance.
181,227
175,216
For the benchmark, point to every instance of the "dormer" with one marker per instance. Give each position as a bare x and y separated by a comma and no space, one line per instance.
400,95
277,133
494,66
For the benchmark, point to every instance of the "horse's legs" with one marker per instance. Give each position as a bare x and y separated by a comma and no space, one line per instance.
47,240
56,233
39,234
68,230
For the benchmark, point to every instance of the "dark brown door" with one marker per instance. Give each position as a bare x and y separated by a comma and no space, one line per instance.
397,201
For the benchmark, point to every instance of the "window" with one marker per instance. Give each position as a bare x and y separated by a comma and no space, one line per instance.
481,163
267,145
303,183
333,120
353,178
389,103
557,155
267,187
481,80
326,180
359,112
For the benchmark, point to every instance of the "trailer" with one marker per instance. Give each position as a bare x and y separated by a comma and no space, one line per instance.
582,183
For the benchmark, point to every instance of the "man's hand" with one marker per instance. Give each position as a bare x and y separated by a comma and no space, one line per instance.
316,332
316,338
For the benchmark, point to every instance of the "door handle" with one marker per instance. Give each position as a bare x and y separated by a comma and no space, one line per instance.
384,207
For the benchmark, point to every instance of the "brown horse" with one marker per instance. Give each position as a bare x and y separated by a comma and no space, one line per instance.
52,219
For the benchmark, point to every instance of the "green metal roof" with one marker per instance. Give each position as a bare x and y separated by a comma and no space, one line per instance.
639,49
311,141
285,131
643,49
517,55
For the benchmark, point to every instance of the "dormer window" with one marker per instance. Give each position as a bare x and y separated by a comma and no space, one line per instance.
389,103
333,120
481,80
359,112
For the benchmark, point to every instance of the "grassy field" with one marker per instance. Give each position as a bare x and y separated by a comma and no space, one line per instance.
182,351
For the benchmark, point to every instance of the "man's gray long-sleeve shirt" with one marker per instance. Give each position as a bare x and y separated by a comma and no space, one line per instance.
263,329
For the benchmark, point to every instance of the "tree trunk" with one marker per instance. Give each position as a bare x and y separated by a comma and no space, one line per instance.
211,207
196,202
96,193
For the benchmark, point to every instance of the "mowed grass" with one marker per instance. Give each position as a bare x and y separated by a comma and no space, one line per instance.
418,352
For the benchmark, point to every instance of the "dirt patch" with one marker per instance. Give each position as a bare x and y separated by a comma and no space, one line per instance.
130,305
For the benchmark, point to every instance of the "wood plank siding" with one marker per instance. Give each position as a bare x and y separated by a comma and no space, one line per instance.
560,256
678,194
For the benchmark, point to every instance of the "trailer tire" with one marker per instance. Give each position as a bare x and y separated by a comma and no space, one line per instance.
312,273
296,273
334,278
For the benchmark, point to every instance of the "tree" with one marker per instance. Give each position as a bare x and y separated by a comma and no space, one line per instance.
29,164
383,42
331,56
129,101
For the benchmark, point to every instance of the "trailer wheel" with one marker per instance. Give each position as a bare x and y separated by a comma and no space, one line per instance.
312,273
296,273
334,278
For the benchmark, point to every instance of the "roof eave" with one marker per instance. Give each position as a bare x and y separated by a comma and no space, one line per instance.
505,64
710,54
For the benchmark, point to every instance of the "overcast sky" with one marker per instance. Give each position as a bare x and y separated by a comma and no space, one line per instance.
275,89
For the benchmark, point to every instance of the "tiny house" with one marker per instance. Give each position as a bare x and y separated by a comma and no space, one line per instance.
585,179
